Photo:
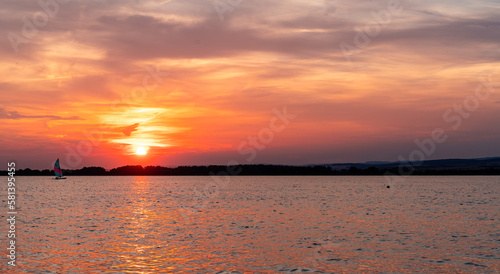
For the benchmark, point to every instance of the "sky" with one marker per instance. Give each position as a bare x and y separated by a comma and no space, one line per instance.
196,82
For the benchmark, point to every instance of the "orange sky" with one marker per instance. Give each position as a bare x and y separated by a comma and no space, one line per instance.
191,82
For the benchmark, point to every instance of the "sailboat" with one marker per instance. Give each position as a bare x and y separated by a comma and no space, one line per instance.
58,171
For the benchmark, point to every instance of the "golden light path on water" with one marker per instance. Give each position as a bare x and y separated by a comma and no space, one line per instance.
258,225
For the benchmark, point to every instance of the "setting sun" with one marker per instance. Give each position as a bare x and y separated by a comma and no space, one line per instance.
141,151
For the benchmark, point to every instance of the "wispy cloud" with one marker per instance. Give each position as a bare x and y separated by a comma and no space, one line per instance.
129,129
14,115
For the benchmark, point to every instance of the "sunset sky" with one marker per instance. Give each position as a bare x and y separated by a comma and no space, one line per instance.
192,82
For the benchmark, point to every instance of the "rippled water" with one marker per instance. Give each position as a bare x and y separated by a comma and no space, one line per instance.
257,225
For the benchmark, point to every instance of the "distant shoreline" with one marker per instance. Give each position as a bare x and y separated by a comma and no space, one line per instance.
263,170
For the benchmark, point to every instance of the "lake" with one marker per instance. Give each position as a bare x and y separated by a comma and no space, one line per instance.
256,224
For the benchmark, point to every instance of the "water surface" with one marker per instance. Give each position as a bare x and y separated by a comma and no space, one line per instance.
257,224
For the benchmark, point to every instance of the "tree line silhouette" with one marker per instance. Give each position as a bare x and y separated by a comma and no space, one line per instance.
250,170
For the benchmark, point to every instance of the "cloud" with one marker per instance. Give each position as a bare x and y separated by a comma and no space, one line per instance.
14,115
129,129
174,29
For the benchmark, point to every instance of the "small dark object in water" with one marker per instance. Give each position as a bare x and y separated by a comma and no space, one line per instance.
388,186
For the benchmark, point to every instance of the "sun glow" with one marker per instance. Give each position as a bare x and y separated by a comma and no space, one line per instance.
141,151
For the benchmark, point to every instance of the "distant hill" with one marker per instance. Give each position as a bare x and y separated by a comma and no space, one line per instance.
430,165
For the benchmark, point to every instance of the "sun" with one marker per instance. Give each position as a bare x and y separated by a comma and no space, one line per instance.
141,151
